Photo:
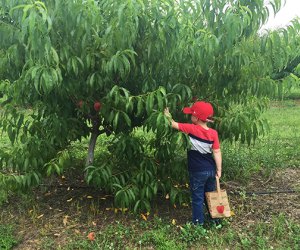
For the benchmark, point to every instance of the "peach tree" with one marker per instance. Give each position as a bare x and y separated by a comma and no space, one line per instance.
83,69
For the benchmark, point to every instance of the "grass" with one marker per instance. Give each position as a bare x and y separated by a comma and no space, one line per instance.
7,237
161,235
281,233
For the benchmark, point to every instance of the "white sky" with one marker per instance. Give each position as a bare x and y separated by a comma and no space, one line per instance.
290,10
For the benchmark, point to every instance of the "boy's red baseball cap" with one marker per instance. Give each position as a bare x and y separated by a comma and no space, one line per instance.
202,110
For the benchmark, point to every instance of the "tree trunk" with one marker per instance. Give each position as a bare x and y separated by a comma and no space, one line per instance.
92,144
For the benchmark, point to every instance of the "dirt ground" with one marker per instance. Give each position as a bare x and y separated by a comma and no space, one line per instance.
265,197
57,209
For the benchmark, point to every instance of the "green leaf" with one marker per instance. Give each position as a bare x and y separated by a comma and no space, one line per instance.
75,66
160,103
55,56
92,80
137,206
140,106
34,71
150,103
26,164
116,120
127,119
36,178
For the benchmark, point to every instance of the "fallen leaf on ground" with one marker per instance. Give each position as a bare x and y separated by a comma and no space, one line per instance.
91,236
65,220
144,217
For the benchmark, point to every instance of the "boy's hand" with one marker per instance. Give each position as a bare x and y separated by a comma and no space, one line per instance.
167,112
169,116
218,174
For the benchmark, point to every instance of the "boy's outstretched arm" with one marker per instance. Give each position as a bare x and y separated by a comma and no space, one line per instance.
218,159
169,116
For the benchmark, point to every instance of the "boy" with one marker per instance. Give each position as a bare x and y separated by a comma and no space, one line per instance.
204,157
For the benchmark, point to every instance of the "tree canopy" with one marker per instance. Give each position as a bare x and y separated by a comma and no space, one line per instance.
73,69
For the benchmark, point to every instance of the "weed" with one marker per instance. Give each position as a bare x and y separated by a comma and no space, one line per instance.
48,243
7,239
160,239
282,232
191,233
279,224
157,238
261,242
245,241
230,236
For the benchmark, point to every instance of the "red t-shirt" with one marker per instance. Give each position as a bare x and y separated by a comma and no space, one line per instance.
203,141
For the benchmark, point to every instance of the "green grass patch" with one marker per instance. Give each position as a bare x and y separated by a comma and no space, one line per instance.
7,238
281,233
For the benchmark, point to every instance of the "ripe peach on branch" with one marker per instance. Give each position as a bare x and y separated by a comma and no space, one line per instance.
97,106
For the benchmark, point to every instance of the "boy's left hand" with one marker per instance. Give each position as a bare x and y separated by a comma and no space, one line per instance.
167,113
169,117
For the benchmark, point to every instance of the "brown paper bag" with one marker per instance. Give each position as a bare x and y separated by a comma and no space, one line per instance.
217,202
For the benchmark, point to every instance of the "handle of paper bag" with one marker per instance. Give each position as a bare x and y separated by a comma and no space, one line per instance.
219,190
